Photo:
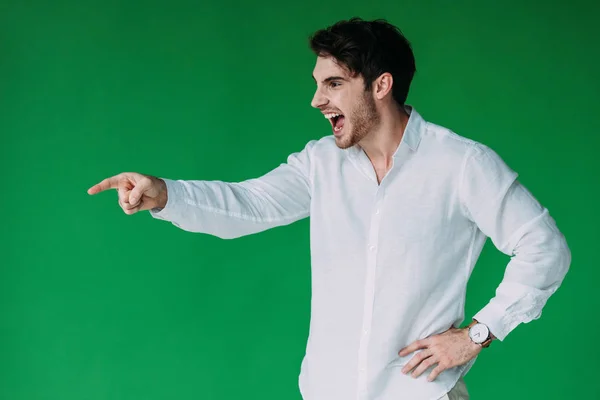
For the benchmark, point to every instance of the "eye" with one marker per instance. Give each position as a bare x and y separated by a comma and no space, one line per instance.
334,84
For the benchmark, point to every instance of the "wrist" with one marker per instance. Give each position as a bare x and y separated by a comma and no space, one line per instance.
164,197
479,333
491,334
160,201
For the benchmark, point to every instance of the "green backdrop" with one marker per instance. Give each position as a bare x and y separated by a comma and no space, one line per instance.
96,304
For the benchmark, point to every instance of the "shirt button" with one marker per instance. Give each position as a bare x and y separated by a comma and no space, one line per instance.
371,247
377,211
365,331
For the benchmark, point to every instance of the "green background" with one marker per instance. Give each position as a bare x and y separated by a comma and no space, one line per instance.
96,304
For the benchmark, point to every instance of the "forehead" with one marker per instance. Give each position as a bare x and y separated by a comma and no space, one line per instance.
328,66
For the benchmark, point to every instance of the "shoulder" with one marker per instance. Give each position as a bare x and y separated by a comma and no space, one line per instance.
446,143
475,161
326,143
324,146
439,138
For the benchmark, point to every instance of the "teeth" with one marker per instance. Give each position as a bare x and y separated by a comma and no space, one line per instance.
329,116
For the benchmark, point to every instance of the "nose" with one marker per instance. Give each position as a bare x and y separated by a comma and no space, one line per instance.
318,99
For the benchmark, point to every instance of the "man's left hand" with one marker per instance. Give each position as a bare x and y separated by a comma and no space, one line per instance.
448,349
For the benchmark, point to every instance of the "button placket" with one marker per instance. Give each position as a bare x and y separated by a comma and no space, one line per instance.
369,294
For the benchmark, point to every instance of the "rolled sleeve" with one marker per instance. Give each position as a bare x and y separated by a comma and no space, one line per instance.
505,211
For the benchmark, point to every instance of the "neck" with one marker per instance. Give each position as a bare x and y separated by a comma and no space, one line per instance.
381,144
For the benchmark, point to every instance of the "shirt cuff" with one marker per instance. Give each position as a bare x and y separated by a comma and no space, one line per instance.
493,318
174,201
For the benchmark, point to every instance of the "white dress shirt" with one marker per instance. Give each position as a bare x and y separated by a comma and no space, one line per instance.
390,261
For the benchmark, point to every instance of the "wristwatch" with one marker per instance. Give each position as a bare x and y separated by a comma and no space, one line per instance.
479,333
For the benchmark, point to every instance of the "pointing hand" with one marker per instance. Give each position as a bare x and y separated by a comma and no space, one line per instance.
137,192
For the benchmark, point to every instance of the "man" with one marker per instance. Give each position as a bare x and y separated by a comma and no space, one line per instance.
400,209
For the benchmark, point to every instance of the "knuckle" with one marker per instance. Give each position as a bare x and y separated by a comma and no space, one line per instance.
146,181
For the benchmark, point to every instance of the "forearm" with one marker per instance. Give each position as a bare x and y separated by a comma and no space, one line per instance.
540,261
230,210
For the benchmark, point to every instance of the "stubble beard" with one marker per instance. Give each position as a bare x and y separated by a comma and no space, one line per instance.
365,119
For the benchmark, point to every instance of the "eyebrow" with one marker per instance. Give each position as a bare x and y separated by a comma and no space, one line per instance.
331,78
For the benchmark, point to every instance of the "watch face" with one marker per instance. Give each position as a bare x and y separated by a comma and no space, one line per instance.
479,333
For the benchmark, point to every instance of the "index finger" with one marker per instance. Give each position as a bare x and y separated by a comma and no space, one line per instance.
105,184
416,345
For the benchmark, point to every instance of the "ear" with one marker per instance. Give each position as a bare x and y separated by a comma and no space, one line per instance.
383,85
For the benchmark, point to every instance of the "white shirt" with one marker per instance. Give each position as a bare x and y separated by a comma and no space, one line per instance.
390,261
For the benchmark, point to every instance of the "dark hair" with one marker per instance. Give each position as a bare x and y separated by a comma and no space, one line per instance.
369,48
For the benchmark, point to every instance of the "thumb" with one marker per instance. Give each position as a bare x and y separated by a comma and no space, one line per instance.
138,191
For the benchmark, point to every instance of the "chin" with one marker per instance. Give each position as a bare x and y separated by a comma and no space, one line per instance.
343,142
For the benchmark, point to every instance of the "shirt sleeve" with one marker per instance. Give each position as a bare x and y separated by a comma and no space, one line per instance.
505,211
232,209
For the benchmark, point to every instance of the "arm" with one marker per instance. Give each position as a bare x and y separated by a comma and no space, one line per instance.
520,227
229,210
493,199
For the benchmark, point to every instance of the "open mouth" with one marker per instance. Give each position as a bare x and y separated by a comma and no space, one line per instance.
337,122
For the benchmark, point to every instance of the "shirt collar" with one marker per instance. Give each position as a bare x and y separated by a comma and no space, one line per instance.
411,137
413,130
